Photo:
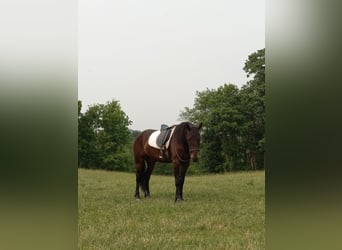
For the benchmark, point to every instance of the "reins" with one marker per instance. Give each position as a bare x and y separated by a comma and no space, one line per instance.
181,158
194,149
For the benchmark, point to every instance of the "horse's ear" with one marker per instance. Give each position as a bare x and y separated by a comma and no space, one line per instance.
200,126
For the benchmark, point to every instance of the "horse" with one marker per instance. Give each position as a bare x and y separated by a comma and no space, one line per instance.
184,146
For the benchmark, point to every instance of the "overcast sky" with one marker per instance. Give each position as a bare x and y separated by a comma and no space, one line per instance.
152,56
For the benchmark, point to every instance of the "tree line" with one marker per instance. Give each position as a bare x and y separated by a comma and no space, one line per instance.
233,137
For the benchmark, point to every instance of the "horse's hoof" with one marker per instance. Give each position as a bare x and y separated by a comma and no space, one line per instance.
178,200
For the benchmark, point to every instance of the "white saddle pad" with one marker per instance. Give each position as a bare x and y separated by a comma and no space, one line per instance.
152,140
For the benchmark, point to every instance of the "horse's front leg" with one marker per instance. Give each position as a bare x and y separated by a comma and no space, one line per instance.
179,173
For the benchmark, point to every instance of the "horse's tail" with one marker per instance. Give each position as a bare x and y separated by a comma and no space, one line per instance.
140,159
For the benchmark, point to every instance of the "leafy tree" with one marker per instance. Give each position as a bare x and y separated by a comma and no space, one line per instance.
255,66
253,105
234,120
79,108
103,134
217,109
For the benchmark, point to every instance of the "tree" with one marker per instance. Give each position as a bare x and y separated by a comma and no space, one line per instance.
103,134
255,66
217,109
234,121
253,106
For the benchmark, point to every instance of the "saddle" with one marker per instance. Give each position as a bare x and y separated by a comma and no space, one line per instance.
160,139
165,132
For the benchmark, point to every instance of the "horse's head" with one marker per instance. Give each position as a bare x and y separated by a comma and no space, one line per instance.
193,138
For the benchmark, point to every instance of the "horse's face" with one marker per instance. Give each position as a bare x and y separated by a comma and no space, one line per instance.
193,138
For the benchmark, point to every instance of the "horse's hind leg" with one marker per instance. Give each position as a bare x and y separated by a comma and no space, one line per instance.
139,177
150,167
137,193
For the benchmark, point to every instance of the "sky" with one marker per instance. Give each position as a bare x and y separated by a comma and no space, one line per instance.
153,56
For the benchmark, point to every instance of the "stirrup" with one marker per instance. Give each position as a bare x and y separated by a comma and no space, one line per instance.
162,151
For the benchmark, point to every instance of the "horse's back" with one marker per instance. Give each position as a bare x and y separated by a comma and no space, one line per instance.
141,139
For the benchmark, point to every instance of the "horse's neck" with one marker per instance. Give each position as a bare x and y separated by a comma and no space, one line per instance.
180,138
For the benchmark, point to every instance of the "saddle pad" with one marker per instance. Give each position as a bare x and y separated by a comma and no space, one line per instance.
152,140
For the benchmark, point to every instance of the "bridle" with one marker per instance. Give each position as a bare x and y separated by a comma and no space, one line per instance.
190,150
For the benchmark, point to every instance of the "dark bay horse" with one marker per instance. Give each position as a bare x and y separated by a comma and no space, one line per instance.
183,147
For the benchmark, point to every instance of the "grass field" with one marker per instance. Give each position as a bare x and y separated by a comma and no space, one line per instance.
219,212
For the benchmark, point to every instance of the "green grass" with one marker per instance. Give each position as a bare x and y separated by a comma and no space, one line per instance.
219,212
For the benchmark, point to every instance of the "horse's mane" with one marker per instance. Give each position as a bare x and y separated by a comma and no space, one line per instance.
180,132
